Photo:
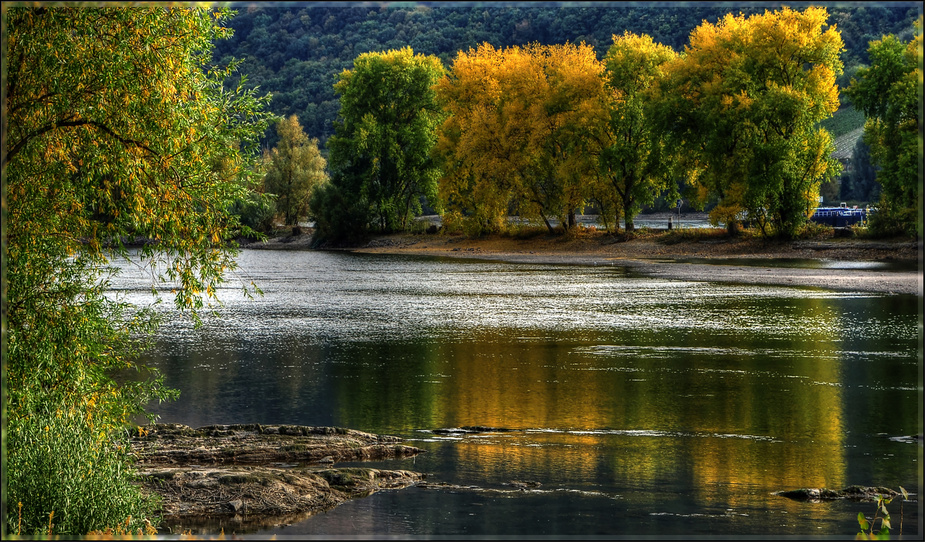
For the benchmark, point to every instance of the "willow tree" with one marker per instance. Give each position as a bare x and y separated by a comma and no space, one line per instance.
633,158
514,138
744,104
117,128
380,160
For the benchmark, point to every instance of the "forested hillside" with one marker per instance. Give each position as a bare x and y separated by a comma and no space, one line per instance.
296,51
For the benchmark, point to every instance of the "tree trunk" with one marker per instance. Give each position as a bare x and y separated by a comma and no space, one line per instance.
548,225
732,227
627,213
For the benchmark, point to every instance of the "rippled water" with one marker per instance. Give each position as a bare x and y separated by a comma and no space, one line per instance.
631,405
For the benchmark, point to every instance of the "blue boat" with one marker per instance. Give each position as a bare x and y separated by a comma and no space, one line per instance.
839,217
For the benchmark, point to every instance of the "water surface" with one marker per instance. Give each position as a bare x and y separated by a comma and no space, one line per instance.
632,406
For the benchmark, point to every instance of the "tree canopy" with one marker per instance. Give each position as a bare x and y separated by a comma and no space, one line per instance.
745,101
380,155
297,50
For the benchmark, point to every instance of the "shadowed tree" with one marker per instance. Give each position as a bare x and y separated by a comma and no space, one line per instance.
889,92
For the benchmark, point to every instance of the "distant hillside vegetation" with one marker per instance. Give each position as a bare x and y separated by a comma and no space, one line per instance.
846,127
296,50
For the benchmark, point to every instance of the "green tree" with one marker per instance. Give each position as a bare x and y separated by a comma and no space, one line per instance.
633,158
744,103
116,128
380,154
294,168
889,92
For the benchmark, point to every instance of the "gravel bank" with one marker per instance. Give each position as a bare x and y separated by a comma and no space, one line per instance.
884,266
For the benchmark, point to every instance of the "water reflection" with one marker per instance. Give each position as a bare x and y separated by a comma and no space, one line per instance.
686,403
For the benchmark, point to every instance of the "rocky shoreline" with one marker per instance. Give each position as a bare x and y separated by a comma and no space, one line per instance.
238,478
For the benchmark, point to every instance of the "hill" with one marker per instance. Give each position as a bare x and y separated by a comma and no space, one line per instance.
295,50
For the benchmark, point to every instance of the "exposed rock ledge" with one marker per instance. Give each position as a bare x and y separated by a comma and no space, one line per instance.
242,477
857,493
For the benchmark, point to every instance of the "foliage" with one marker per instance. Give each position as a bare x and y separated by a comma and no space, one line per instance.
889,93
515,136
844,121
256,212
744,102
881,513
633,159
294,168
380,156
117,129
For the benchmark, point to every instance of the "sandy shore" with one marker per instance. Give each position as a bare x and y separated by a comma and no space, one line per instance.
884,266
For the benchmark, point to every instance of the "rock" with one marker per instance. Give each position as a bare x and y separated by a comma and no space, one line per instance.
255,474
857,493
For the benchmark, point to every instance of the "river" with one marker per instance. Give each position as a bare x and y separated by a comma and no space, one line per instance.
631,406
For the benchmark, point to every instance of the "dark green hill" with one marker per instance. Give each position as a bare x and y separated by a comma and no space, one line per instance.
295,50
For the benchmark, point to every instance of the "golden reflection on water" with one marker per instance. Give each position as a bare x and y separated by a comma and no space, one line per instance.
720,422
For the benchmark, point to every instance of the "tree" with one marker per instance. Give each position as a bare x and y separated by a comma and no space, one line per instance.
515,136
889,93
294,168
471,146
743,103
380,154
116,128
632,156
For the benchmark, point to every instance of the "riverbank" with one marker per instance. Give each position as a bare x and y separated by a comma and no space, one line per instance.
698,254
237,478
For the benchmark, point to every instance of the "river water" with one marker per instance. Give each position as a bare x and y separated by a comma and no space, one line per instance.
633,406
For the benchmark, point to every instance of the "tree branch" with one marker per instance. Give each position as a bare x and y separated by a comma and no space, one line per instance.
15,149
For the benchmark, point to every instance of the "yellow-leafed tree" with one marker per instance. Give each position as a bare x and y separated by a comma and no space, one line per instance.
294,168
515,136
744,102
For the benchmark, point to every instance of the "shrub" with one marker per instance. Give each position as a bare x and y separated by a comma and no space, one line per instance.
73,478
